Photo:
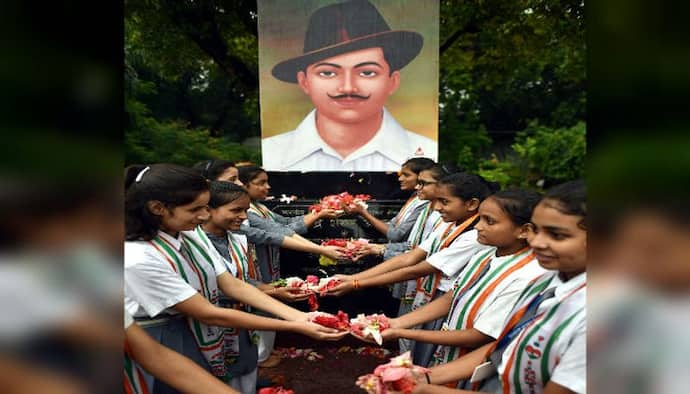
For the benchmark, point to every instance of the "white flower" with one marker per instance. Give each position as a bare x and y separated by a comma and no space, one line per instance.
374,332
286,199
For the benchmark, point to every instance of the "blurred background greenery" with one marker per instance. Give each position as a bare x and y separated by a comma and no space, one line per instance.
512,98
61,117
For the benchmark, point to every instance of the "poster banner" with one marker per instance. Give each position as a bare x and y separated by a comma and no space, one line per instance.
348,85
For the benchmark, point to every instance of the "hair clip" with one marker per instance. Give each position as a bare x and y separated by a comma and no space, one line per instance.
208,165
141,174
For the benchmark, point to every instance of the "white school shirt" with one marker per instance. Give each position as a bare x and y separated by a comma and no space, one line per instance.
492,296
494,311
451,260
570,347
151,285
303,149
129,320
433,220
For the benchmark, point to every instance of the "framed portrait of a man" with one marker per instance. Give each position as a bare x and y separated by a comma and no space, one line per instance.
348,85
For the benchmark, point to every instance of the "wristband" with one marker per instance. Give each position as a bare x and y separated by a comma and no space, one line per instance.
428,380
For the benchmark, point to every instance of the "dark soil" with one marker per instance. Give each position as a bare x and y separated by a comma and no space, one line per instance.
334,374
337,372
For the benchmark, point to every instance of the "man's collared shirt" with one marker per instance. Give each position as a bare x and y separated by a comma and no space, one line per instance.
303,149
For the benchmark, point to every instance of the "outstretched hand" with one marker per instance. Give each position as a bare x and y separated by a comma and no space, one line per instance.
367,250
354,208
329,213
334,252
367,339
289,294
342,277
345,286
390,334
320,332
387,335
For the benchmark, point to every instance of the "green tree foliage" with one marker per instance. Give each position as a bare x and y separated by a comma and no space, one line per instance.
192,86
148,140
542,156
554,155
513,61
515,67
505,65
506,173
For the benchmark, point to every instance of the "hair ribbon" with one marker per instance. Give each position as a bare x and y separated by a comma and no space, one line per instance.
141,174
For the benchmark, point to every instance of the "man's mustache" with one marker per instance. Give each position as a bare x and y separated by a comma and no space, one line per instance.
354,96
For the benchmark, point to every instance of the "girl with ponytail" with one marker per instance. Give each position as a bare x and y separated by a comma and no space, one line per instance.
442,256
170,290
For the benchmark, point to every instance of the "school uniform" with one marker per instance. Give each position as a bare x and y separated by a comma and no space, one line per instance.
554,346
275,220
134,382
257,236
543,339
399,231
453,259
427,221
240,348
160,274
484,295
268,254
449,248
400,226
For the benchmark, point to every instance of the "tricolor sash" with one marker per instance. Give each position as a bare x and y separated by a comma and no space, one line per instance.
254,267
538,349
239,252
533,348
471,292
418,228
240,267
410,205
420,231
198,271
428,285
273,264
134,382
261,210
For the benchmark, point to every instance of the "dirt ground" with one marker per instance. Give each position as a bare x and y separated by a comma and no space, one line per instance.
343,361
335,373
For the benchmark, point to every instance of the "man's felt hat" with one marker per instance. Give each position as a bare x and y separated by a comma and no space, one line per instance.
346,27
